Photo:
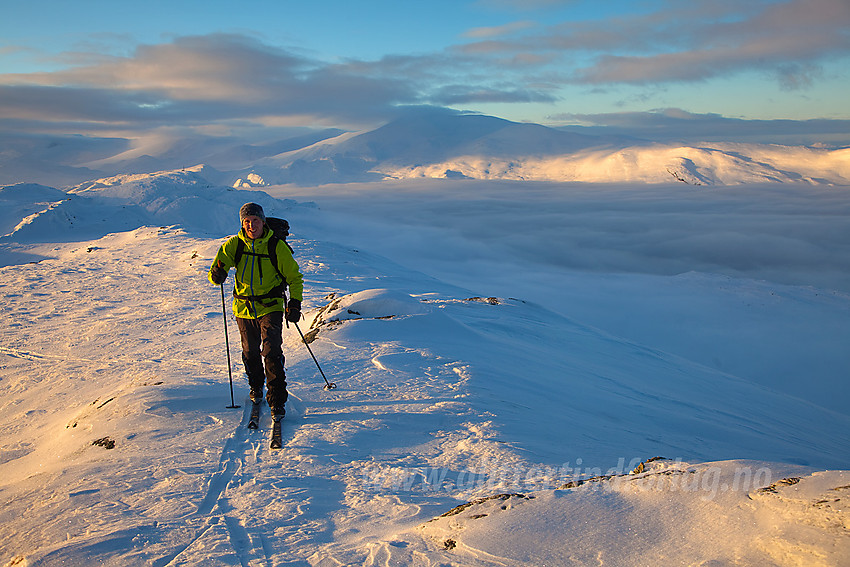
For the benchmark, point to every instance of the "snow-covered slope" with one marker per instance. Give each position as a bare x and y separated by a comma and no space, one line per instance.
716,164
119,450
698,273
437,136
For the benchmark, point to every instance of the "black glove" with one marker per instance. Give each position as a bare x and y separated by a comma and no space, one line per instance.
293,311
218,275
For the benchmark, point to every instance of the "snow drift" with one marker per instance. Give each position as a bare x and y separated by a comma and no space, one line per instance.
718,513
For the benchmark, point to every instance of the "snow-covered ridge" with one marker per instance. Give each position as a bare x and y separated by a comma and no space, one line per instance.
26,202
182,197
463,432
720,164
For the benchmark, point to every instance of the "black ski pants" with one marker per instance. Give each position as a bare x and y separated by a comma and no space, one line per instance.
262,346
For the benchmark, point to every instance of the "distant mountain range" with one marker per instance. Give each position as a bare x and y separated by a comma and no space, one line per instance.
425,143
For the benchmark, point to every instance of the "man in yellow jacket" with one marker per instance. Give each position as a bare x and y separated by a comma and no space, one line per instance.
259,301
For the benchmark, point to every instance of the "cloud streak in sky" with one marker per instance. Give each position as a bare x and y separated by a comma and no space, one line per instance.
218,78
676,125
801,32
201,79
693,41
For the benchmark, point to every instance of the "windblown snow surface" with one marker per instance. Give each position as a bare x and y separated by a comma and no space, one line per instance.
501,399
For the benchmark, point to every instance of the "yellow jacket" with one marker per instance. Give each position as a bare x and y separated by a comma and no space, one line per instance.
259,287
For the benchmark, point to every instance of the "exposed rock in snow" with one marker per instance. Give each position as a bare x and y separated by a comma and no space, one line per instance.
368,304
253,180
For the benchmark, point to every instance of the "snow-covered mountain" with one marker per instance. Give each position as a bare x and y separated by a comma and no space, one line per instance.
424,143
440,145
469,427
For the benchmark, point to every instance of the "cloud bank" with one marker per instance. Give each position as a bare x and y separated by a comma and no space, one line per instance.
487,231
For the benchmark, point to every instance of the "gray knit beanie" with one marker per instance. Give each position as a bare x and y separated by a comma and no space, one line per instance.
251,209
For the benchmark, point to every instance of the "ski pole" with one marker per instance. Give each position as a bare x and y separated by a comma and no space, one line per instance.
227,345
328,385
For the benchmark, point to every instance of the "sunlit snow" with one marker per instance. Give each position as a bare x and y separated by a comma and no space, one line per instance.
527,374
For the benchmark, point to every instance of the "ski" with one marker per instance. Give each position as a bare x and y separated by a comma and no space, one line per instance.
276,442
254,421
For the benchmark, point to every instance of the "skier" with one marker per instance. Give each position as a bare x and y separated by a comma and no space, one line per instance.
264,269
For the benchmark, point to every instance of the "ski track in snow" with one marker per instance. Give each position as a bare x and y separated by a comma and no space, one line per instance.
144,361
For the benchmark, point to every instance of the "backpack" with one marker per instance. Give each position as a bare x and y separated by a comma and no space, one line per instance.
280,230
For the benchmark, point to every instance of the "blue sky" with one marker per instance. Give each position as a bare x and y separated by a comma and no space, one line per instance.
113,68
